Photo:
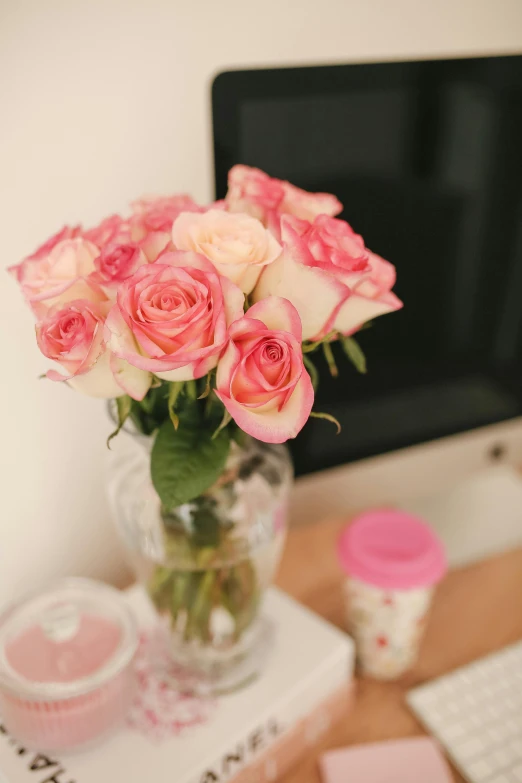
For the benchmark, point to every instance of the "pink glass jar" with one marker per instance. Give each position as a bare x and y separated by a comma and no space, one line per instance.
66,665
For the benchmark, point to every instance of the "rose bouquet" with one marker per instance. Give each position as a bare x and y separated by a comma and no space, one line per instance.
201,322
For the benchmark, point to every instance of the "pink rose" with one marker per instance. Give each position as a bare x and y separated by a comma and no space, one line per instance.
60,275
237,245
111,230
151,223
328,274
171,317
73,336
261,379
115,264
252,191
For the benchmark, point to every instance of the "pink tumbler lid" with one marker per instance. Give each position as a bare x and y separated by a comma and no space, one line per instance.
392,550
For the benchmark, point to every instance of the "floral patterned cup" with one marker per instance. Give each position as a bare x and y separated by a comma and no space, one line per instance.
392,561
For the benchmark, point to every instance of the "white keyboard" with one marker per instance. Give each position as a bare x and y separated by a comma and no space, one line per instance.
476,714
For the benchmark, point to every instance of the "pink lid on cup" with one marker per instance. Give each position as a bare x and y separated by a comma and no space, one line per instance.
392,550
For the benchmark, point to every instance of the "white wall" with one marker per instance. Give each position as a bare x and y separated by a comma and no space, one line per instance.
101,101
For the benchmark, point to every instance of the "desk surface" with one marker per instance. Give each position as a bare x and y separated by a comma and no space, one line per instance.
476,610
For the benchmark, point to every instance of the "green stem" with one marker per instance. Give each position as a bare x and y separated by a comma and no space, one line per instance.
328,355
197,593
308,347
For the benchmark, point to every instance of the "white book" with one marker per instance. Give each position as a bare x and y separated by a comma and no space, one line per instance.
175,739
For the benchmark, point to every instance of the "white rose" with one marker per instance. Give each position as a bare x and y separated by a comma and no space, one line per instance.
239,246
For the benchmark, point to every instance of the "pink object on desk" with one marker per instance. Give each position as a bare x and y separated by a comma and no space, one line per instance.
37,657
391,549
66,673
395,761
392,560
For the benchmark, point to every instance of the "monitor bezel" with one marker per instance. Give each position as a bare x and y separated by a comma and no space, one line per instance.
231,88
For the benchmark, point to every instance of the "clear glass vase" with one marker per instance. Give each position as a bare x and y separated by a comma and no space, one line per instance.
206,564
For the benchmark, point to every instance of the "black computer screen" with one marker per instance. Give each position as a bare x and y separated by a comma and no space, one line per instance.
427,159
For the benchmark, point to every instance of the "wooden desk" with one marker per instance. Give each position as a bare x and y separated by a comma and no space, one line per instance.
476,610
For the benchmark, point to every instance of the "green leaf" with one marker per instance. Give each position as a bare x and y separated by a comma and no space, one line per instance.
148,414
187,461
174,391
354,352
123,408
328,355
327,417
312,370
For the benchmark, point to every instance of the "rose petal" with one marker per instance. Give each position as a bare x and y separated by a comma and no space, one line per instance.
246,327
314,293
241,274
154,244
118,335
249,277
132,380
226,366
307,205
97,382
234,300
69,291
275,426
186,258
185,373
277,314
357,310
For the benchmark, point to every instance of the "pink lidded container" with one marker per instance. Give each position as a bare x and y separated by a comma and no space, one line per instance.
66,664
392,562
